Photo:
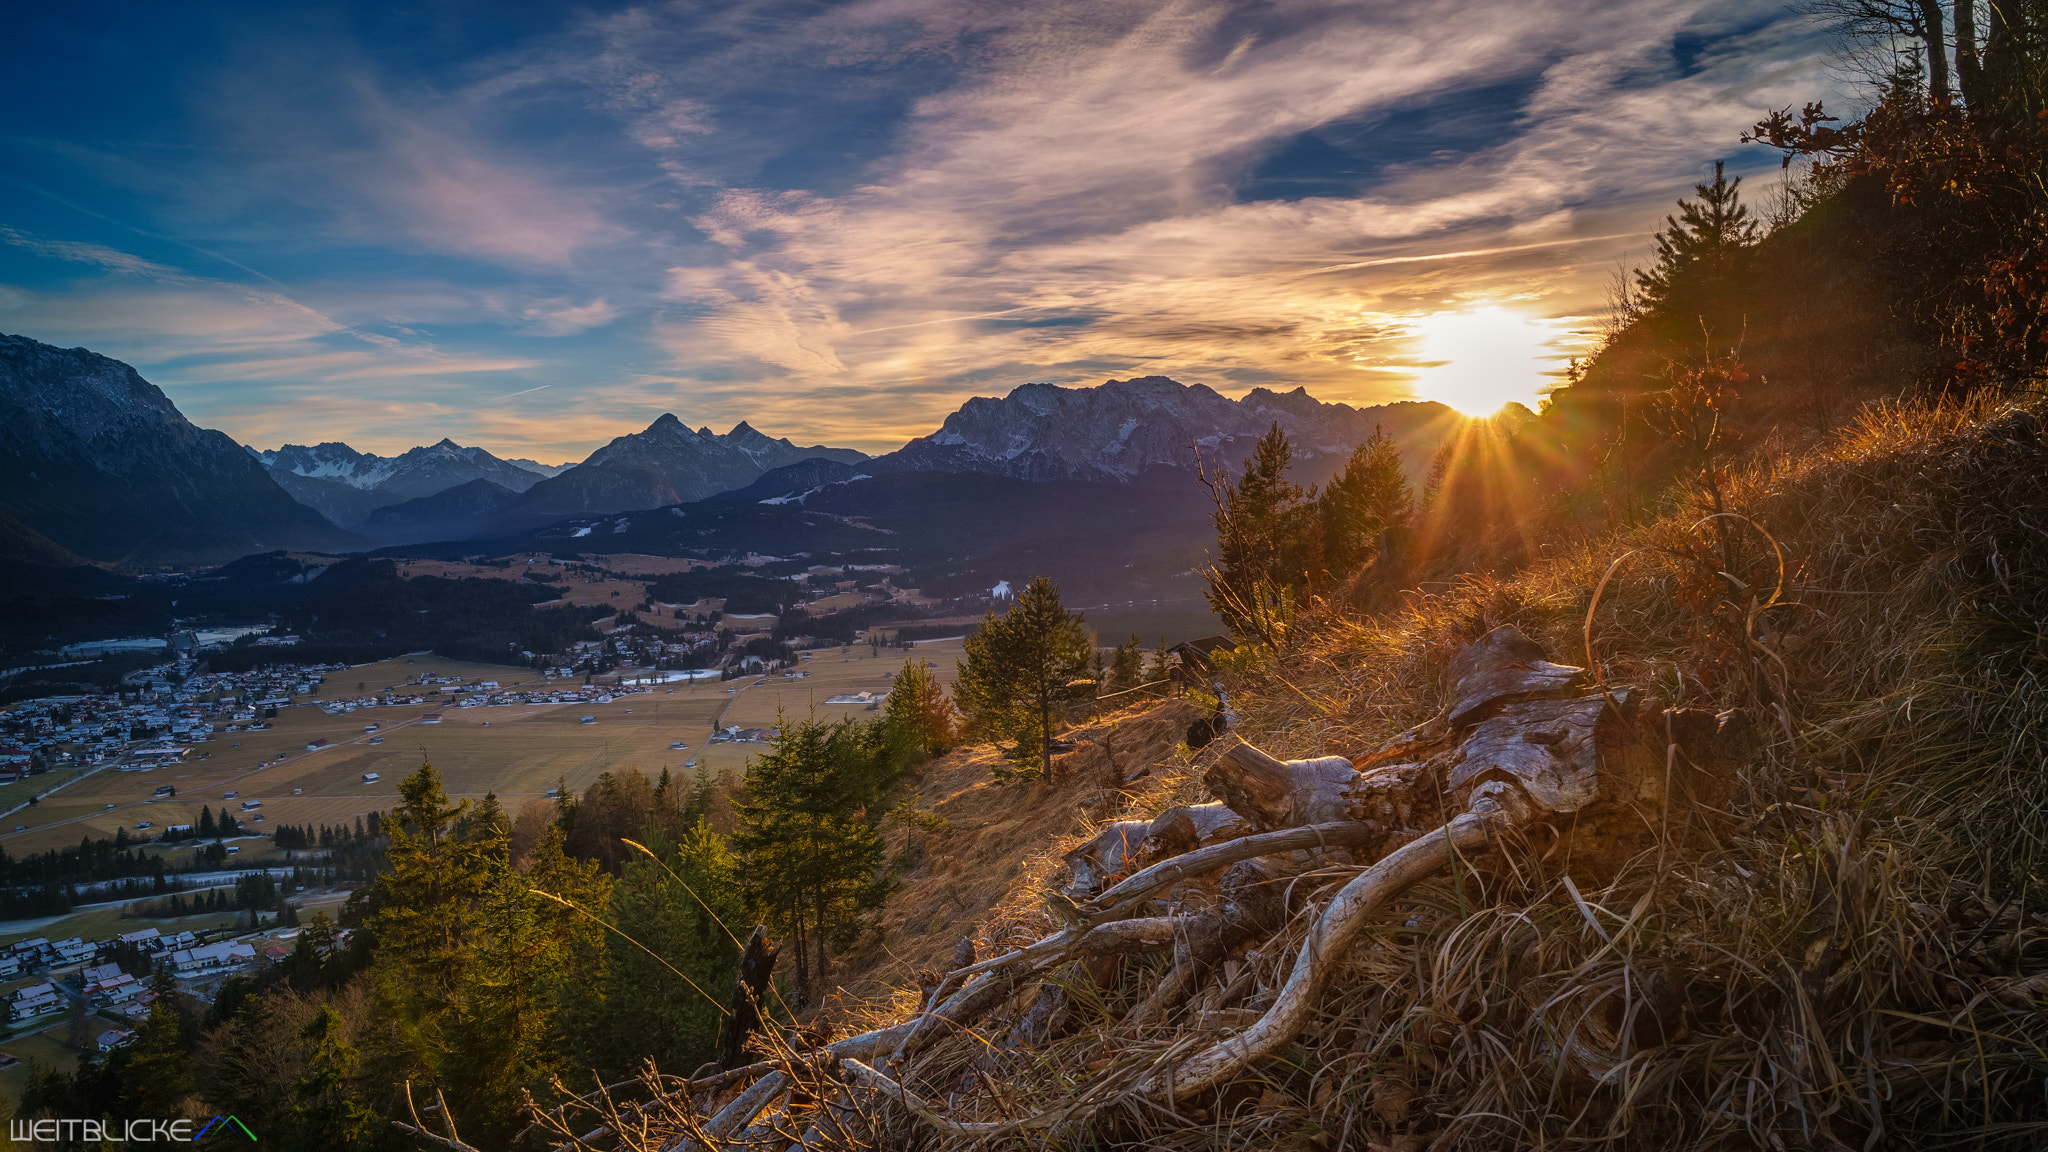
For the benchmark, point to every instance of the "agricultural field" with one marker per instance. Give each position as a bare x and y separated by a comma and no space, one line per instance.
517,751
101,922
49,1048
832,672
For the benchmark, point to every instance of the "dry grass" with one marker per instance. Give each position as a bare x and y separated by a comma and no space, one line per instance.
985,873
1848,958
1852,955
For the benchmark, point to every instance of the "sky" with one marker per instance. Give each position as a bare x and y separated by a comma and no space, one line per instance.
536,226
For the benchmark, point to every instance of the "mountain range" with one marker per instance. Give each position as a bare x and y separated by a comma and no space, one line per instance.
348,486
102,466
97,462
665,463
1124,429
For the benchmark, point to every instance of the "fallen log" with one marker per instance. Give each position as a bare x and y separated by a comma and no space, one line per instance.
1271,793
1332,932
1520,750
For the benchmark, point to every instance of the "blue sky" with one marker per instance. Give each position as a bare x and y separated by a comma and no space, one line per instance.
537,226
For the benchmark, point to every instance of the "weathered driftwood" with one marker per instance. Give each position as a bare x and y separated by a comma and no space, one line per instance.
1251,906
1191,826
1331,934
1503,666
1521,744
1110,853
1272,793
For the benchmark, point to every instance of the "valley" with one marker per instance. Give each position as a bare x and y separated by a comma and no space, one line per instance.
517,751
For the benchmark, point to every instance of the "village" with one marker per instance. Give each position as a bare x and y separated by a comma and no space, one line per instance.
95,991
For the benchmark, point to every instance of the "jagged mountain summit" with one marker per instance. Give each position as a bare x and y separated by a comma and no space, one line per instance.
536,466
410,475
346,486
666,463
97,460
1122,429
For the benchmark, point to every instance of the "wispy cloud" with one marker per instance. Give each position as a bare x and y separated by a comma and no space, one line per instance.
840,220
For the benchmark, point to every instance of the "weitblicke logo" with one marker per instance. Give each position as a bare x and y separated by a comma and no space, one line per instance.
125,1131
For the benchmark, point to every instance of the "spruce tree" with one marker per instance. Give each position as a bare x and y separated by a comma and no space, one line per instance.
1262,520
1127,670
809,841
157,1077
1019,675
1694,247
1370,496
686,908
918,709
328,1113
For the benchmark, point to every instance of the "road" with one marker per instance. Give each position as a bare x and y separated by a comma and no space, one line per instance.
52,792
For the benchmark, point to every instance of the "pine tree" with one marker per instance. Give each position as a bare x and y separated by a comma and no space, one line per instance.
1020,672
1694,247
1370,496
918,709
206,828
811,849
1127,669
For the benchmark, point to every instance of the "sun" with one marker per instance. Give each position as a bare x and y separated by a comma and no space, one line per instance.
1482,358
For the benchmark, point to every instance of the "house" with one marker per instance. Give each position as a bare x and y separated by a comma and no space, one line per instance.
114,1038
75,949
33,1001
213,957
10,966
857,698
98,972
118,990
316,745
431,718
146,938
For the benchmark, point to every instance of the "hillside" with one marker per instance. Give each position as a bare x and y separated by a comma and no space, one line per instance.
1787,897
97,461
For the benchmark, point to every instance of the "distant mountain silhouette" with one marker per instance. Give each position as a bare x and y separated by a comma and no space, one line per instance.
98,461
666,463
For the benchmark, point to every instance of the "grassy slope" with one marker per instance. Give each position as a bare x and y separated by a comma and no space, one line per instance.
1854,954
1858,943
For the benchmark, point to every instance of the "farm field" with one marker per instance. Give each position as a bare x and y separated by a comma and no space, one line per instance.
49,1049
100,923
517,751
833,672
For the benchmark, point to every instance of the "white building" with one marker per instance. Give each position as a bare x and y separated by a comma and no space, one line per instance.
212,958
